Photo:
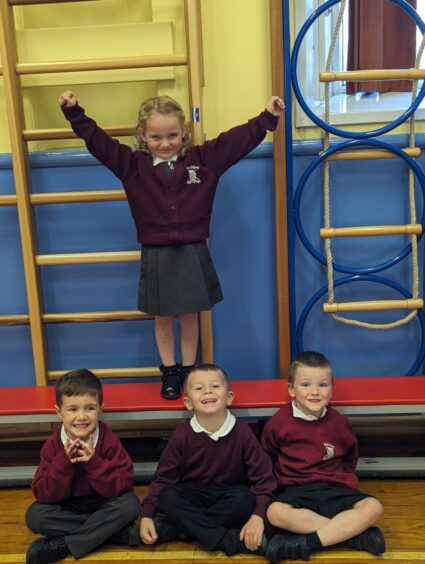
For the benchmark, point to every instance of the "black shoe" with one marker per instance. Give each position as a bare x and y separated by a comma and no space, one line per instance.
47,549
128,536
166,531
232,544
170,388
287,546
371,540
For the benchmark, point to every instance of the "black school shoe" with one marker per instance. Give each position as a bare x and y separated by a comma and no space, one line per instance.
372,540
47,549
166,531
231,544
170,388
128,536
287,546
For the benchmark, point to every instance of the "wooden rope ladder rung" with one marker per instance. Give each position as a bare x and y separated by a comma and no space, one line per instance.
373,75
370,154
371,231
373,305
12,69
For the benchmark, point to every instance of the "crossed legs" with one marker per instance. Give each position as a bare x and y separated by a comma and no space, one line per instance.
339,528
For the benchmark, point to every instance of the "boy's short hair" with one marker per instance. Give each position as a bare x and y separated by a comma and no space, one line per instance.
207,367
308,358
78,383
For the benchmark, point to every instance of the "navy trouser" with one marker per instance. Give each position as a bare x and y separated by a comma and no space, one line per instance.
85,522
206,512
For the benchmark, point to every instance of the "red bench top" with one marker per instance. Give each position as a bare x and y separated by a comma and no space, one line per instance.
133,397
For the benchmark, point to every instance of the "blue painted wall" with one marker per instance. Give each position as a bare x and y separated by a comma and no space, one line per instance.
242,246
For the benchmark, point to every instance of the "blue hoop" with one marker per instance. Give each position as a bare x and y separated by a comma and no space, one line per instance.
295,84
315,163
346,280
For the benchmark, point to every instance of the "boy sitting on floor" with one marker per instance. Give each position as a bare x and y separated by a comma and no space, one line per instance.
83,485
214,481
315,454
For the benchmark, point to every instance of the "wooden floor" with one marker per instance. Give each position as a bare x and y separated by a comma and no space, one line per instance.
403,525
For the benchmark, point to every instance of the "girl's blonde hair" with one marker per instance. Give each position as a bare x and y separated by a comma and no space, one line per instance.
163,105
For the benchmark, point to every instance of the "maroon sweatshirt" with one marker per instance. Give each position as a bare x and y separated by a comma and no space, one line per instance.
311,451
236,459
172,210
108,473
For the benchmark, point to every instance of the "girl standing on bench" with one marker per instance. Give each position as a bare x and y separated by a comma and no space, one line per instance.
170,186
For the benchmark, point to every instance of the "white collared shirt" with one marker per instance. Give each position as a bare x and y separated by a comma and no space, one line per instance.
224,430
158,160
65,437
296,412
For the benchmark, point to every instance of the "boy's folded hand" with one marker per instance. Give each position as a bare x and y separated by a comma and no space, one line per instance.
252,532
147,531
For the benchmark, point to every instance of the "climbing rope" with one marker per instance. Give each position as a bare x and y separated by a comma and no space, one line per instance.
326,197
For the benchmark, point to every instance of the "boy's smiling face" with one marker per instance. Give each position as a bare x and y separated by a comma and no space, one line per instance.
312,389
206,392
80,415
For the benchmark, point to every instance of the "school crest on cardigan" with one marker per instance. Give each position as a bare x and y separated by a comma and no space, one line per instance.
330,451
192,175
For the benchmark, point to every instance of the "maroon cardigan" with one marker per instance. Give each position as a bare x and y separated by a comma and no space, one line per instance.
108,473
172,210
324,450
236,459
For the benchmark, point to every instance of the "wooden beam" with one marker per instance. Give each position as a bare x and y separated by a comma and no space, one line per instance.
15,116
279,154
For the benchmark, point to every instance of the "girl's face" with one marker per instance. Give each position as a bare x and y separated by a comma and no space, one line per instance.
163,135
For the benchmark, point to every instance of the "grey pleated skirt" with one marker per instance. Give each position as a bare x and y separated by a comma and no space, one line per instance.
178,279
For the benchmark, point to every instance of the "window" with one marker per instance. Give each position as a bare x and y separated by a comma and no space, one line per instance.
345,109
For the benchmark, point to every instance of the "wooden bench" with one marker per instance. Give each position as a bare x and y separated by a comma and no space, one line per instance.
393,396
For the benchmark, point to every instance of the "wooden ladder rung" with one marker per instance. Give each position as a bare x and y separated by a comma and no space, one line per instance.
18,319
369,154
8,200
67,197
371,231
30,2
136,372
77,317
138,62
373,74
94,316
87,258
376,305
66,133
